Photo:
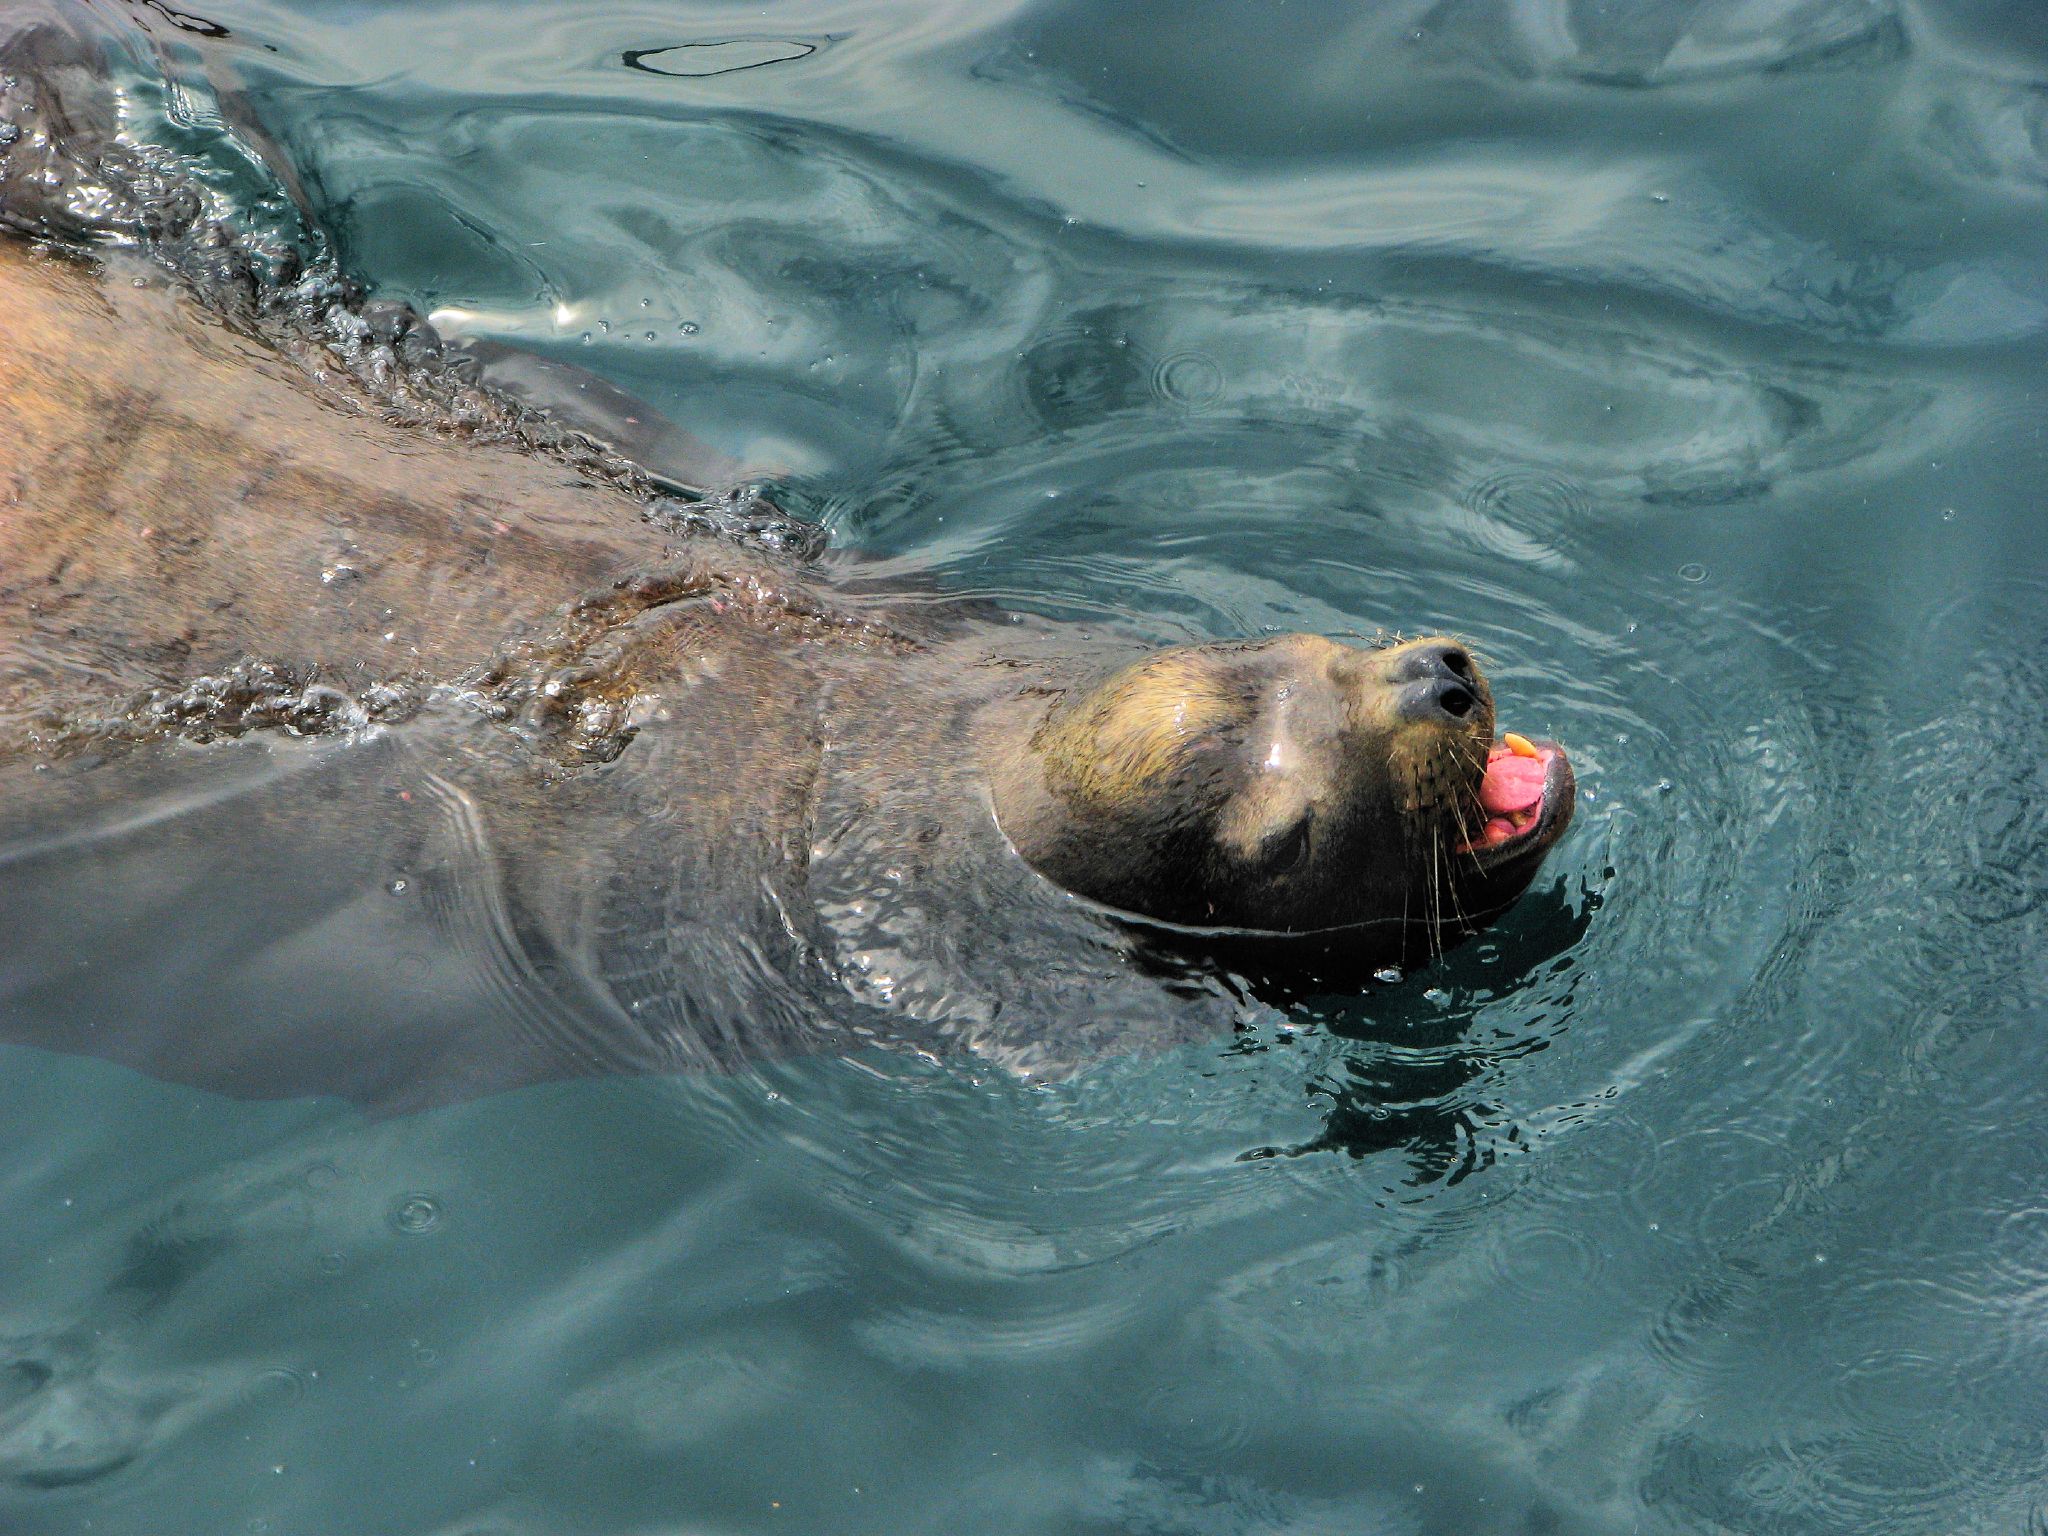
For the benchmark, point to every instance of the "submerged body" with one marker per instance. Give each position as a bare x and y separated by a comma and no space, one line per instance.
686,800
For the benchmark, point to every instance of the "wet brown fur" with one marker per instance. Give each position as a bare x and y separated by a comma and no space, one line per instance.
175,496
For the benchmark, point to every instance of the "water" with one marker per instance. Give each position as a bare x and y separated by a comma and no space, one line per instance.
1688,357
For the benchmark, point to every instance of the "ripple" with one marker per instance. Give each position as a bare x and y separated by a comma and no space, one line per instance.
277,1388
1548,1255
1888,1382
1201,1421
1045,1328
1733,1190
692,1394
2019,1254
1910,1479
1523,515
974,1208
416,1215
1083,372
1600,1151
1190,380
1697,1334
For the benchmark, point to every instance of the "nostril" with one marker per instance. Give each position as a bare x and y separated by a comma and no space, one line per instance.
1455,701
1439,660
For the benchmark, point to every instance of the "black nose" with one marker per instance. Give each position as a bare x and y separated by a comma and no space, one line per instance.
1439,682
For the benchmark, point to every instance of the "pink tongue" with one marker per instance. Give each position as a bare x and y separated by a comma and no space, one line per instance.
1511,784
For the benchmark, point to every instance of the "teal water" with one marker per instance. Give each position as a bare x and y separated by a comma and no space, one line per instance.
1687,356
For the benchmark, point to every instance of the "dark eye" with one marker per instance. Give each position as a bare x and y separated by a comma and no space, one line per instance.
1284,851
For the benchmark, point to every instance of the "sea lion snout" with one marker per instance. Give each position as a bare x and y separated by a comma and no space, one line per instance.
1439,681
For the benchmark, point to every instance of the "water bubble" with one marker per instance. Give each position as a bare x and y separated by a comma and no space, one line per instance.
1692,572
689,328
416,1215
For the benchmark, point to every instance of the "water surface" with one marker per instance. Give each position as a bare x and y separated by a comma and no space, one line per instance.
1687,357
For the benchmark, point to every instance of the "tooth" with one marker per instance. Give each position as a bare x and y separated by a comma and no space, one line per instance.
1521,746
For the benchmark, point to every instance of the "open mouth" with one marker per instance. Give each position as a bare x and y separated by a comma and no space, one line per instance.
1525,797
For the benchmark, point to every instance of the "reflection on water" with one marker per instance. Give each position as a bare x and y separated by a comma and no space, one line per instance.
1683,357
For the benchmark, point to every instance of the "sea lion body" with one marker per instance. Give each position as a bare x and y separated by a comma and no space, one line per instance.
193,542
699,801
356,738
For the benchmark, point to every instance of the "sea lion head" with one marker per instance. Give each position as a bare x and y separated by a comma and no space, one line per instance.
1288,786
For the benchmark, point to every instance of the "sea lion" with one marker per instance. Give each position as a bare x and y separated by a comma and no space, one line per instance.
689,798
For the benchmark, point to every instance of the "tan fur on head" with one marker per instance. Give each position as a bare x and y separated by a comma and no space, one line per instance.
1135,729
